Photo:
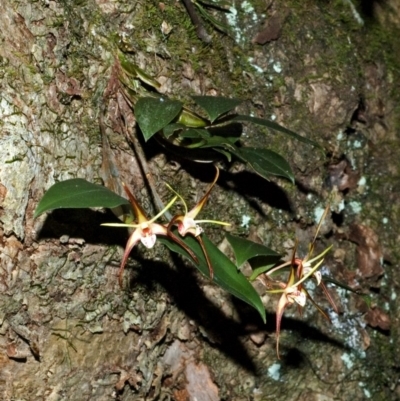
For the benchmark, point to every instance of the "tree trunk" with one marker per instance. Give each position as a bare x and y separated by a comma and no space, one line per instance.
327,70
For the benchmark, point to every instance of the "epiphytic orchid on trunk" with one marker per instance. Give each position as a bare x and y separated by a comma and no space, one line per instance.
188,225
293,291
146,231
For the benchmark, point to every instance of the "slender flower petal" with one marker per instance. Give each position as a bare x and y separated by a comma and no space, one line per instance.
137,209
188,225
284,301
282,304
196,210
132,241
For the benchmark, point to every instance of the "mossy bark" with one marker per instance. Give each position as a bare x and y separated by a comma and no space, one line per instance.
68,331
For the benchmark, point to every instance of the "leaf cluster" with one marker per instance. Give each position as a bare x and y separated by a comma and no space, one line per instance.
188,133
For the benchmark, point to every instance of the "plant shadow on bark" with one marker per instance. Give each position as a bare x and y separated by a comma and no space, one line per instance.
181,284
249,185
183,287
246,183
227,335
85,224
306,332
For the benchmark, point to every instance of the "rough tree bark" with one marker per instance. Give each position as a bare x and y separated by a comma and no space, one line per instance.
328,70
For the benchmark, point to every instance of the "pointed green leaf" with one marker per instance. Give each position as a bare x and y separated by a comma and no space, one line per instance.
261,264
226,275
153,114
265,162
260,270
136,72
245,249
276,127
78,193
215,106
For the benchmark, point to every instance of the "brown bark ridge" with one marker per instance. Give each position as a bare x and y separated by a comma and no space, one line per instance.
69,332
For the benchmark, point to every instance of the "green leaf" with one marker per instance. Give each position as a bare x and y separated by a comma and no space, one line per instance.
153,114
226,275
136,72
261,264
78,193
260,270
276,127
170,129
245,249
265,162
215,106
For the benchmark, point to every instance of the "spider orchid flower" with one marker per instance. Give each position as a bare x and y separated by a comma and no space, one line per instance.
292,292
188,225
146,231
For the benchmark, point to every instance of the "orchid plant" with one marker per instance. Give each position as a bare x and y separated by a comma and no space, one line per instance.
293,291
181,130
